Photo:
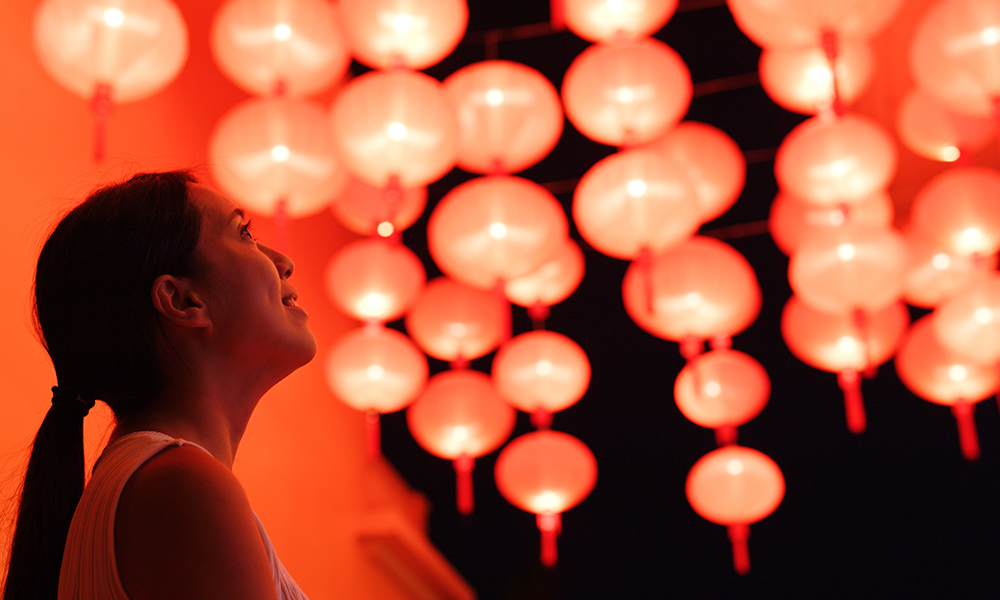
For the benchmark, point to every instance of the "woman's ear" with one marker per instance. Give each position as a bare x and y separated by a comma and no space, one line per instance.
177,300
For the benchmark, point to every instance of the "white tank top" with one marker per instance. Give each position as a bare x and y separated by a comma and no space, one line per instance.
89,569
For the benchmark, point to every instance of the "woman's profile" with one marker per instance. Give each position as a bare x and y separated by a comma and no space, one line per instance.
153,296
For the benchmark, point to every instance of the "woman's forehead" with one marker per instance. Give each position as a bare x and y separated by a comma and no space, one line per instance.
215,207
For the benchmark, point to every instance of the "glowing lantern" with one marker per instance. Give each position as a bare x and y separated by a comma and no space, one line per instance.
457,323
954,54
938,375
632,201
722,389
930,129
541,372
844,344
959,209
849,268
491,229
968,323
375,279
509,116
801,79
279,47
626,93
735,486
109,51
604,21
933,274
395,127
712,161
546,473
835,161
551,283
368,210
701,289
459,417
275,156
797,23
403,33
376,370
791,220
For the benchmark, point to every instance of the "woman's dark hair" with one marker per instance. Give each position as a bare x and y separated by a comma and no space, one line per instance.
94,311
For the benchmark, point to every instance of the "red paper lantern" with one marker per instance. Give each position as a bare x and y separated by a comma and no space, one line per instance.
802,80
276,156
552,282
959,209
459,417
938,375
633,201
403,33
279,47
375,279
541,372
839,160
933,274
797,23
968,323
849,268
546,473
929,128
701,289
603,21
735,486
791,220
454,322
369,210
395,127
722,389
491,229
626,93
509,116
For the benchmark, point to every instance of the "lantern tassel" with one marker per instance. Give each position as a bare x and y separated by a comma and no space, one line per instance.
550,525
373,434
281,222
968,438
463,483
101,105
854,406
538,312
738,535
831,50
541,418
725,435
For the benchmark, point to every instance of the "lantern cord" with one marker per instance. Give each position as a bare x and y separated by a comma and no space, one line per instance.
725,435
863,326
557,19
101,105
463,483
550,525
373,434
831,50
854,407
281,223
541,418
738,535
968,438
538,312
645,264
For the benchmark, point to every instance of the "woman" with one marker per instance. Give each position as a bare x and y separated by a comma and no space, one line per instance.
153,297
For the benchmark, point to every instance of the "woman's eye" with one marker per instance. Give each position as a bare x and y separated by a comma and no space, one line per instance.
245,230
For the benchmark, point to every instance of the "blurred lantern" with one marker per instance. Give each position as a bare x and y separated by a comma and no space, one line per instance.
491,229
110,51
541,372
838,160
933,131
633,201
626,93
847,345
797,23
792,221
938,375
954,54
369,210
509,116
403,33
546,473
603,21
701,289
722,389
959,209
459,417
968,323
280,46
457,323
933,274
712,162
275,157
735,486
395,128
802,80
375,279
551,283
849,268
376,370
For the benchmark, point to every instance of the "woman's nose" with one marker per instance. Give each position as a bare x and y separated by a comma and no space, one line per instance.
281,261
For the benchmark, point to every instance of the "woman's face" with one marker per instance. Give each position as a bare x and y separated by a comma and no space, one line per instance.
253,308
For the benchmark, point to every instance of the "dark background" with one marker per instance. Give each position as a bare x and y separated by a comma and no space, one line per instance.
895,512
